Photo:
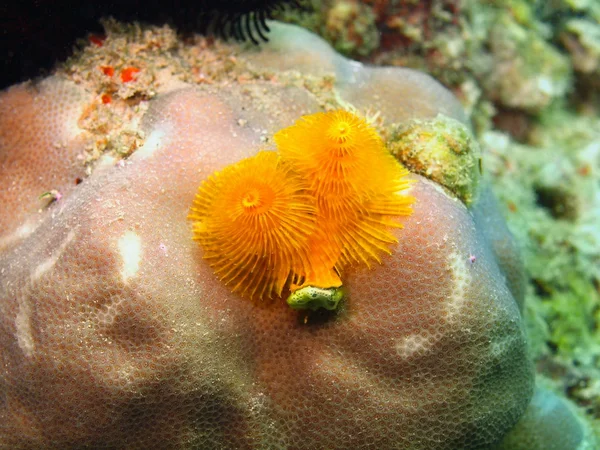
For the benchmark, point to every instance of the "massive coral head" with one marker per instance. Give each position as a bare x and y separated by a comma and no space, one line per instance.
253,220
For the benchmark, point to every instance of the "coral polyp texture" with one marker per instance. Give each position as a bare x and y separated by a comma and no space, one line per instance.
115,331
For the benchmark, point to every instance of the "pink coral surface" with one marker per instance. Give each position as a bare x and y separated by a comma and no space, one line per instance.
115,333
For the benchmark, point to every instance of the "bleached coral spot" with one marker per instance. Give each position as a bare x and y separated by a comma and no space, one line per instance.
153,143
48,263
413,345
461,280
24,328
130,249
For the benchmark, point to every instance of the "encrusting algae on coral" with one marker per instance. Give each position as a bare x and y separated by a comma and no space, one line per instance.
295,219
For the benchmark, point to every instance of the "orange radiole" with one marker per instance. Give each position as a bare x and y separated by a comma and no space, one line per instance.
357,184
327,200
253,220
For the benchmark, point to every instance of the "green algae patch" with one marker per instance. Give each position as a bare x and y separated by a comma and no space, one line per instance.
443,150
313,298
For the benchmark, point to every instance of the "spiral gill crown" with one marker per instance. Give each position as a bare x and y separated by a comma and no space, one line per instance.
253,220
328,201
357,183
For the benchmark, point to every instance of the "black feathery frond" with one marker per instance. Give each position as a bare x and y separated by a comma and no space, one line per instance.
244,19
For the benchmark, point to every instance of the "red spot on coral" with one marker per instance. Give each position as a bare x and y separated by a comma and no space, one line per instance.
97,40
127,74
108,70
106,98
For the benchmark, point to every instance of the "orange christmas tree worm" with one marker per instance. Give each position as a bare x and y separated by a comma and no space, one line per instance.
253,220
356,182
297,220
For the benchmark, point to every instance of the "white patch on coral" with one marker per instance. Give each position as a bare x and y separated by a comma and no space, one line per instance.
412,345
20,233
23,327
153,142
23,319
48,263
105,162
130,249
461,278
